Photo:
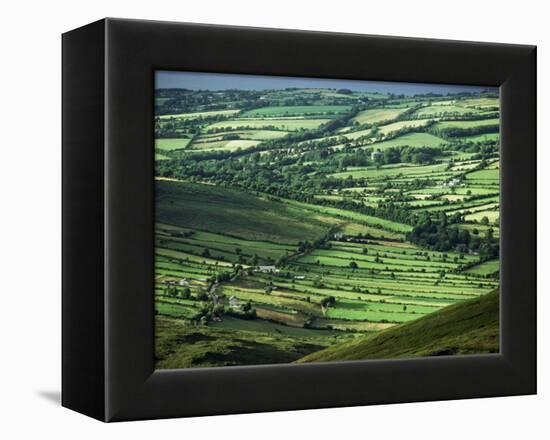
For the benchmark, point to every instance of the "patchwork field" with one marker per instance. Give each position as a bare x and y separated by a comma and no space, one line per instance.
171,144
300,223
377,115
297,110
467,124
289,124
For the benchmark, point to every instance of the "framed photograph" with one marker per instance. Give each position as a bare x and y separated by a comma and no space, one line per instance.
261,220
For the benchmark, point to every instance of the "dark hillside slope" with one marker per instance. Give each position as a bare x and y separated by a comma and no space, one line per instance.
466,328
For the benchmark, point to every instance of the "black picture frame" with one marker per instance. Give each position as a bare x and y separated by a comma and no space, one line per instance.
108,242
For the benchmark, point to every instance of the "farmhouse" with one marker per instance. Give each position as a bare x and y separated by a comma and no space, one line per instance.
299,277
267,269
452,182
233,302
184,282
338,236
376,155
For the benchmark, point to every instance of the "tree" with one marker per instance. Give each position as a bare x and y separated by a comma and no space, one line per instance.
172,291
218,309
202,296
328,301
353,265
318,282
220,277
186,293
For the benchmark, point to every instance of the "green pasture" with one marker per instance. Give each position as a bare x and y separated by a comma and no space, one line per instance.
266,124
171,144
480,102
486,137
373,172
467,124
374,116
410,140
297,110
492,216
486,268
232,212
227,145
486,174
443,110
196,115
399,125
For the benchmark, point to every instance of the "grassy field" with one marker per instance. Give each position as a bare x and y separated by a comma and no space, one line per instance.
224,145
377,115
467,124
182,204
180,346
254,135
488,137
399,125
297,110
171,144
390,171
197,115
470,327
411,140
486,268
443,110
482,103
261,123
309,225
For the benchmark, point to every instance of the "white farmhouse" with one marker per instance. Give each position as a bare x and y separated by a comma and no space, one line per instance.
376,155
233,302
267,269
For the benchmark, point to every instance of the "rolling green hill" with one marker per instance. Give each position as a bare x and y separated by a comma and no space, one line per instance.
228,211
468,327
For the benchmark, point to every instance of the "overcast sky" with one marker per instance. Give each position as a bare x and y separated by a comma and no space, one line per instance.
224,81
